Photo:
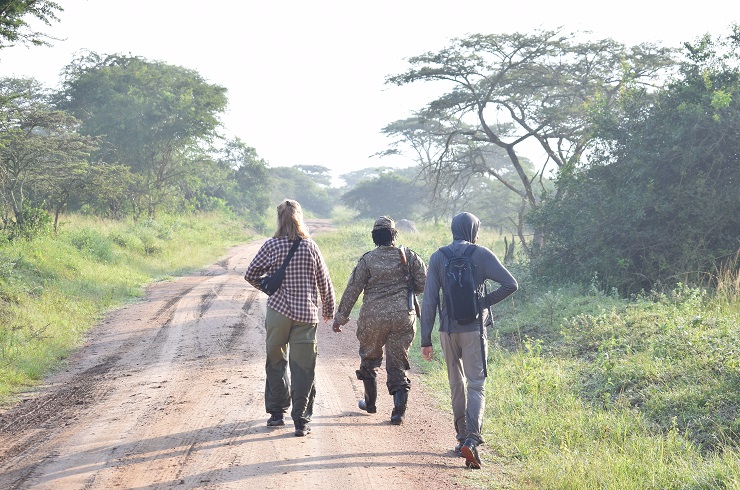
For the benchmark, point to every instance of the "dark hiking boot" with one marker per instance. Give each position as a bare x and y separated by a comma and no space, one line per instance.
371,396
302,430
275,420
469,451
458,448
400,399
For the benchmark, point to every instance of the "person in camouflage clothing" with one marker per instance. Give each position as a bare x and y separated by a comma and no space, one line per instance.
390,277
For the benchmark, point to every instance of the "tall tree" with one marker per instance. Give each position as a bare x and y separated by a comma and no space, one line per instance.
13,26
508,89
290,182
110,190
318,173
39,148
246,181
389,194
659,202
354,177
151,115
452,167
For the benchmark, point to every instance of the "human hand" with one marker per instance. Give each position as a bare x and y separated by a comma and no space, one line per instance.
337,327
427,352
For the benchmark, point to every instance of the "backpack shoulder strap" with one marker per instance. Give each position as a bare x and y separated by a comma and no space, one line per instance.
469,250
446,251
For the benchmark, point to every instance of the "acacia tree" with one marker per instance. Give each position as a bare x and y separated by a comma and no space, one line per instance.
351,179
659,202
150,115
508,89
318,173
13,26
449,163
39,148
110,190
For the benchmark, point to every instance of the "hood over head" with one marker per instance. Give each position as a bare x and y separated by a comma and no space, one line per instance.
465,227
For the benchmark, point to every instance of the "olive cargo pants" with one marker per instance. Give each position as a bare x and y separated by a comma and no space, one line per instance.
290,343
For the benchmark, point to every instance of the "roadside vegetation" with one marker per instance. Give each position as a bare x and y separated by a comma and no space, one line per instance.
616,363
54,287
587,389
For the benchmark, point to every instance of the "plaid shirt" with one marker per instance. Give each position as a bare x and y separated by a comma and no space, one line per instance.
306,278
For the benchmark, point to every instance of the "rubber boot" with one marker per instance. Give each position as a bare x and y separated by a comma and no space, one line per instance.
371,395
400,399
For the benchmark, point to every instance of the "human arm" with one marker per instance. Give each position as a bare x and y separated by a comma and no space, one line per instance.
326,288
493,269
355,285
260,264
418,272
430,302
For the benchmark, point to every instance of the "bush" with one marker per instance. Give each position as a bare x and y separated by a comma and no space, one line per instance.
92,243
32,222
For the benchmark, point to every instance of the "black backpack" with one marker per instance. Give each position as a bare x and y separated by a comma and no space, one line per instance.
459,287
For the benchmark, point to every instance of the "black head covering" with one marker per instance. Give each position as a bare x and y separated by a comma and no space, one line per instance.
465,227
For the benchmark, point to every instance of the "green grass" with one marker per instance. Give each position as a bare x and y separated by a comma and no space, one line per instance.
585,389
55,287
588,390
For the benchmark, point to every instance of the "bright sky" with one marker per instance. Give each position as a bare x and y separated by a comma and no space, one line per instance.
305,78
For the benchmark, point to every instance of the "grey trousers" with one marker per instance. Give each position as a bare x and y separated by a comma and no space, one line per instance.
462,352
290,343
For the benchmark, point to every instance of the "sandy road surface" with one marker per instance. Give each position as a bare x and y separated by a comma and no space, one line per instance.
168,393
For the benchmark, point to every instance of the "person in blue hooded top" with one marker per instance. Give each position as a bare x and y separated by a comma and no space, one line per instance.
464,345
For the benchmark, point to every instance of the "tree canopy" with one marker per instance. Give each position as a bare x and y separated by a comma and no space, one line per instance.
149,115
246,182
304,187
13,25
508,89
659,203
40,151
387,194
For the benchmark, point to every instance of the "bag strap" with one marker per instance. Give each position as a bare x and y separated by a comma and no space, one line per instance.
470,249
290,253
406,262
467,252
447,252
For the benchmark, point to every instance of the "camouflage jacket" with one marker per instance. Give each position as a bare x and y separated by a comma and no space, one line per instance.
381,274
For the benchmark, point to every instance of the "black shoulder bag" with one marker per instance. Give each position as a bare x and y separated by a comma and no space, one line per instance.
271,283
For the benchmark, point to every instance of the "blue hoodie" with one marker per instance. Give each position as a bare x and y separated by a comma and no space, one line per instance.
487,266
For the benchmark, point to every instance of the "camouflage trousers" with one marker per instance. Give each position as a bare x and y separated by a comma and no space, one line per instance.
395,331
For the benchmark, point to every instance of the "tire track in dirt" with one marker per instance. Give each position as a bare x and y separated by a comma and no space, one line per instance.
42,417
169,392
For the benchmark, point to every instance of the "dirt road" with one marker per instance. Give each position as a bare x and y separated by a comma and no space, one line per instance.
168,393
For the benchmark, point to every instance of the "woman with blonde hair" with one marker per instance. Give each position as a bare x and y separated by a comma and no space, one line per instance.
292,316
